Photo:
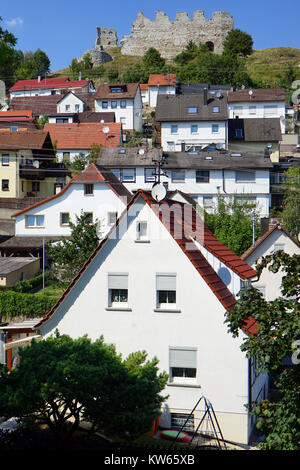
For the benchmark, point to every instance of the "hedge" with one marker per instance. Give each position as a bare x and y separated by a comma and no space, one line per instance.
28,284
16,304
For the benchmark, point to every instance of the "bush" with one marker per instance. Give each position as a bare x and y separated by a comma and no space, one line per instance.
28,305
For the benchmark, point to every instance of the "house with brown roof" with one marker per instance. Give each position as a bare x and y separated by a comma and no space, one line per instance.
160,84
257,103
124,99
274,239
171,302
72,139
27,166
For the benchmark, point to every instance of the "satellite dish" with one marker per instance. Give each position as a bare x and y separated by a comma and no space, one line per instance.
36,164
106,129
250,92
141,151
158,192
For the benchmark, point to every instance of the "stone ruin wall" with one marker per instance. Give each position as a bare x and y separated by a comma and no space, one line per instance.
106,39
171,37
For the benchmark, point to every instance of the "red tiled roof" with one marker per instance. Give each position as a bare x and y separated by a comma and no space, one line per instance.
19,115
61,82
144,86
260,240
162,80
83,135
92,174
190,249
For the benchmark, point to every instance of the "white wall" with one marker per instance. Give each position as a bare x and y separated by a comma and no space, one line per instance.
127,116
72,101
203,136
222,369
271,282
244,112
154,91
73,201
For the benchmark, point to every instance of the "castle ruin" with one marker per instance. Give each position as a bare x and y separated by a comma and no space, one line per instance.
171,37
106,39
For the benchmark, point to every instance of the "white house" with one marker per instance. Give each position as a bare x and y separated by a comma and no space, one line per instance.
70,103
276,238
95,191
163,286
192,121
50,86
125,101
159,84
202,175
260,103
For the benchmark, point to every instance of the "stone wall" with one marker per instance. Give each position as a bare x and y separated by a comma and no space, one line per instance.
106,39
171,37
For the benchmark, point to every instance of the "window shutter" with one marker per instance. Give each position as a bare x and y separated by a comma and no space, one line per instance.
166,281
118,281
183,357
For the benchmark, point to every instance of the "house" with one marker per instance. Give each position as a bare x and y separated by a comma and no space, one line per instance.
196,88
17,120
85,116
72,139
170,302
124,100
274,239
95,191
192,121
9,205
13,270
203,175
160,84
256,134
27,167
144,93
39,105
257,103
50,86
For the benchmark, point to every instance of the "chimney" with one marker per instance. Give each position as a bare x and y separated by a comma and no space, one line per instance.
205,96
39,79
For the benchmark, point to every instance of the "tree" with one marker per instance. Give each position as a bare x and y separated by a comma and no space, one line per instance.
291,201
153,59
238,42
41,63
69,254
9,57
232,223
278,337
59,381
42,120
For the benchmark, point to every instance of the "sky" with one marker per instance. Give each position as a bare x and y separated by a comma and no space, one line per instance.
65,29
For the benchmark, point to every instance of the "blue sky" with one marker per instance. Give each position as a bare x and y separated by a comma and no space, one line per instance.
65,29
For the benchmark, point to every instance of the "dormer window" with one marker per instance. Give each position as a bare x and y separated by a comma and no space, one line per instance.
239,133
216,109
117,89
192,110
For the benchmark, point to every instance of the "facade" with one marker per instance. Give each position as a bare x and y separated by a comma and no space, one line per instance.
77,138
125,101
160,84
70,103
202,175
170,302
27,167
49,86
95,191
260,103
13,270
192,121
276,238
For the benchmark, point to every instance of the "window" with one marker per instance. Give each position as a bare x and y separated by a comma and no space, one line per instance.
35,186
208,202
194,129
88,189
215,128
116,89
123,120
141,231
178,176
62,120
252,109
5,185
34,221
149,175
239,133
171,146
128,175
64,218
174,129
89,217
202,176
67,107
216,109
5,159
112,218
118,289
66,156
242,176
192,110
114,104
270,109
180,419
76,107
116,172
183,363
104,104
237,110
166,290
14,128
123,104
279,246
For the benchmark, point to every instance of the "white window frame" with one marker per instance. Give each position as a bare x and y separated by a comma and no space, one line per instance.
173,131
192,354
239,179
178,180
35,220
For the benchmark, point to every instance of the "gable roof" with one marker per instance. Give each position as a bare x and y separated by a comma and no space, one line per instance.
255,129
84,134
175,108
27,139
103,91
162,80
260,94
37,104
188,246
44,83
260,240
92,174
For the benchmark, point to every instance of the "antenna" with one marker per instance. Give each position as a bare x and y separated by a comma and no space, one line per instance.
158,192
